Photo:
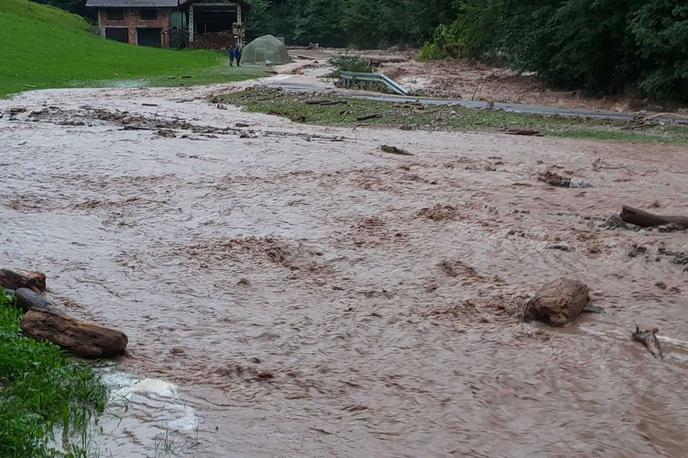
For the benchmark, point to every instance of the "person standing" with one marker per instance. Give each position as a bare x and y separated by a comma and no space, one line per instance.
231,53
237,56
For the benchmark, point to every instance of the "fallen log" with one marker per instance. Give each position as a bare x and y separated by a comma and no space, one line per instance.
558,303
28,299
85,340
324,102
394,150
19,278
524,132
646,219
369,117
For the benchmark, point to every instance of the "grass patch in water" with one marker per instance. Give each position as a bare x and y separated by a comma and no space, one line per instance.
42,392
350,112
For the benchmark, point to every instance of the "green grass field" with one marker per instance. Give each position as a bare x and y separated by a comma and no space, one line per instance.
342,111
44,47
41,393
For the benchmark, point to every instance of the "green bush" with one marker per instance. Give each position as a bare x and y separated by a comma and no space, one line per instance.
660,32
348,63
443,45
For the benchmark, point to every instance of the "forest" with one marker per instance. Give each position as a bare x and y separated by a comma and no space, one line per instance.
601,46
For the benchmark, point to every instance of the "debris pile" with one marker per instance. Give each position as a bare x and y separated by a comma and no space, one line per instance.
214,40
552,178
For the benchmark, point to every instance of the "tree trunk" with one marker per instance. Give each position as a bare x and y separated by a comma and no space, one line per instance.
82,339
18,278
645,219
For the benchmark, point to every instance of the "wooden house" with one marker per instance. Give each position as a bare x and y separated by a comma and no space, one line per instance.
173,23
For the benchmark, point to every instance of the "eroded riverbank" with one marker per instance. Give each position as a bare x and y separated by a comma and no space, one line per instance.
298,286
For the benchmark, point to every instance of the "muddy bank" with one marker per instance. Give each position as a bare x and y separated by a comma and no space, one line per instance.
313,295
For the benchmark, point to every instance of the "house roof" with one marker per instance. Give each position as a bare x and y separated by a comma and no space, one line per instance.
133,3
186,3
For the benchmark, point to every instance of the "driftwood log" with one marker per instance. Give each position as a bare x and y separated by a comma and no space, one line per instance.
646,219
18,278
81,339
394,150
558,303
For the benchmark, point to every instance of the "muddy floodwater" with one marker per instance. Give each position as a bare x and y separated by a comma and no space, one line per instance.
299,292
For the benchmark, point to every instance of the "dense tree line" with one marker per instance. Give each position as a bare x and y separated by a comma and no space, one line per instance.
604,46
73,6
601,45
359,23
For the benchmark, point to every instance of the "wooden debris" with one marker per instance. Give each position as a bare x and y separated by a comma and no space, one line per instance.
648,337
166,133
324,102
368,117
558,303
554,179
524,132
81,339
394,150
646,219
18,278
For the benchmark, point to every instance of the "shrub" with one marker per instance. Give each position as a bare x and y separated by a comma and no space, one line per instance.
348,63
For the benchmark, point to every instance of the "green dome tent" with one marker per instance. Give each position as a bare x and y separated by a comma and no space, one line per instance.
265,50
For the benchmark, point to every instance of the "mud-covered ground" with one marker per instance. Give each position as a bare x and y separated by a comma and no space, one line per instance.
313,295
471,80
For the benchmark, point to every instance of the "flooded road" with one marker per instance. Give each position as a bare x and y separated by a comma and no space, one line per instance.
311,295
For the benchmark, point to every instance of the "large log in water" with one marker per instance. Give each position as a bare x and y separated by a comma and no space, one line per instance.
81,339
646,219
558,303
18,278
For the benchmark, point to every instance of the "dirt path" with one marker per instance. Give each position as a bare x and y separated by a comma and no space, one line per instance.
312,295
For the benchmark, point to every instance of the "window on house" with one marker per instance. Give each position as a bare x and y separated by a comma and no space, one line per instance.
148,14
115,14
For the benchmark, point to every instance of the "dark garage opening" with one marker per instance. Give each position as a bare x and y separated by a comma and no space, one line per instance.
149,37
120,34
214,18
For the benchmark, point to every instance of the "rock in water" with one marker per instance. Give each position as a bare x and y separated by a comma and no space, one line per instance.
558,303
28,299
81,339
18,278
648,337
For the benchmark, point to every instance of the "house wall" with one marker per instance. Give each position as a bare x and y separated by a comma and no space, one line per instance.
132,20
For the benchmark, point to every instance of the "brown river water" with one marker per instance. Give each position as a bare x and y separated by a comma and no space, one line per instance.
306,294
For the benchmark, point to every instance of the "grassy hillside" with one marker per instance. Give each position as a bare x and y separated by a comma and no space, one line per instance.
44,47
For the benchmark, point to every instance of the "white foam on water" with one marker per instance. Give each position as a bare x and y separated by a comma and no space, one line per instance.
143,414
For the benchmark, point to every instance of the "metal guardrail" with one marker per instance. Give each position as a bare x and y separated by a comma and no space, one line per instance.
349,78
